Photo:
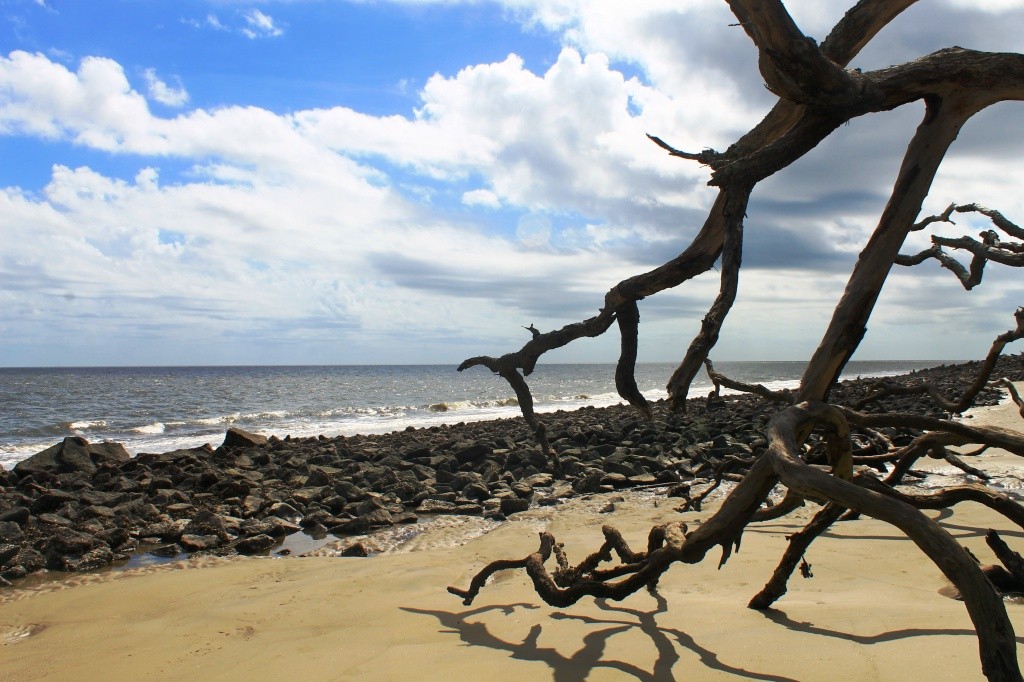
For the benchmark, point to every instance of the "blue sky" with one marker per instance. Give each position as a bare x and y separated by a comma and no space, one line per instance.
324,181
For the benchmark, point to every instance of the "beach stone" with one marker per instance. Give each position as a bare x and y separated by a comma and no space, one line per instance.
473,452
589,483
240,438
71,454
10,532
8,552
615,480
356,526
108,452
199,543
55,520
51,500
206,522
378,518
356,549
167,531
254,544
27,560
65,545
17,515
284,510
430,506
513,505
167,551
90,561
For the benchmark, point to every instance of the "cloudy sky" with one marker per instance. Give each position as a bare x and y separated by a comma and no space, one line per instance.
333,181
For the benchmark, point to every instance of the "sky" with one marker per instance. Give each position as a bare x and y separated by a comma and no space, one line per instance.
206,182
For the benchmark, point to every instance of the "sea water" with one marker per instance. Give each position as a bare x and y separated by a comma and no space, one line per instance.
157,409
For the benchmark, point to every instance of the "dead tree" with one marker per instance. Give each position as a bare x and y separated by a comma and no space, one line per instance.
817,94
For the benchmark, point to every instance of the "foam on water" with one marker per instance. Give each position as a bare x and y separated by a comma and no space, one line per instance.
160,409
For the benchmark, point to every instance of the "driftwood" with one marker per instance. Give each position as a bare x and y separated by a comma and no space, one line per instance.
817,94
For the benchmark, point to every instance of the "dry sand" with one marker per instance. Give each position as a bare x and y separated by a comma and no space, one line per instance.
872,611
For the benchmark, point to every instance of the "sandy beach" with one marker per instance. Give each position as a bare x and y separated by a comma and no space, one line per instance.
872,611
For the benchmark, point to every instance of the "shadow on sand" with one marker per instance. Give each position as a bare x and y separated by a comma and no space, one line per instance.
577,666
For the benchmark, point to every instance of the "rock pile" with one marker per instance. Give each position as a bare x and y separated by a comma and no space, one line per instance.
79,506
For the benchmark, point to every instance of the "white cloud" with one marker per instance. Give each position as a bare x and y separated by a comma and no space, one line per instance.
509,194
481,197
259,25
172,96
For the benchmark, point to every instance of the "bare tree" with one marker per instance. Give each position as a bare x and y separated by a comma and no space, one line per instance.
817,94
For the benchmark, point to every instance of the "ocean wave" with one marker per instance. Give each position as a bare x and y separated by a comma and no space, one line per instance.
151,429
86,424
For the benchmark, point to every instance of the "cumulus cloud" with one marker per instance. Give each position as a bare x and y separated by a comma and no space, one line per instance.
160,91
509,195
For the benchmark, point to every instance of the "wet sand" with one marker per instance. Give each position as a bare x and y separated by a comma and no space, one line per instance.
872,611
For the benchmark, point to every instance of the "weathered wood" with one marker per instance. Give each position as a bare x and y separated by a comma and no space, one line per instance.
817,94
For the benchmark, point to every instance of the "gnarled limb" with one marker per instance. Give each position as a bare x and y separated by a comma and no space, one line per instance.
719,380
798,544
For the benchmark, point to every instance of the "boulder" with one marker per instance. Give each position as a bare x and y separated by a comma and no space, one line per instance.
512,505
70,455
254,544
240,438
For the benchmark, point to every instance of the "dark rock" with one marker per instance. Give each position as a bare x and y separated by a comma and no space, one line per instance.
51,500
198,543
615,480
70,455
10,532
18,515
91,560
254,544
205,522
356,526
64,546
429,506
240,438
8,552
589,483
512,505
356,549
108,452
168,551
473,453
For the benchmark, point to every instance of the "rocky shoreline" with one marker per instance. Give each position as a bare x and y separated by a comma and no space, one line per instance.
80,506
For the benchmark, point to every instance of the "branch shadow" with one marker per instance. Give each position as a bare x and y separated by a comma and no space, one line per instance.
780,617
578,666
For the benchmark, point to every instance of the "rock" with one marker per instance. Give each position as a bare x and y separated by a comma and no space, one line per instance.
240,438
70,455
429,506
8,552
615,480
356,526
254,544
512,505
10,532
205,522
356,549
91,560
18,515
167,551
589,483
66,545
51,500
198,543
108,452
284,510
474,452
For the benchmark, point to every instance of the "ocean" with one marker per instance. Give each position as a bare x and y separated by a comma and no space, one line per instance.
157,409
